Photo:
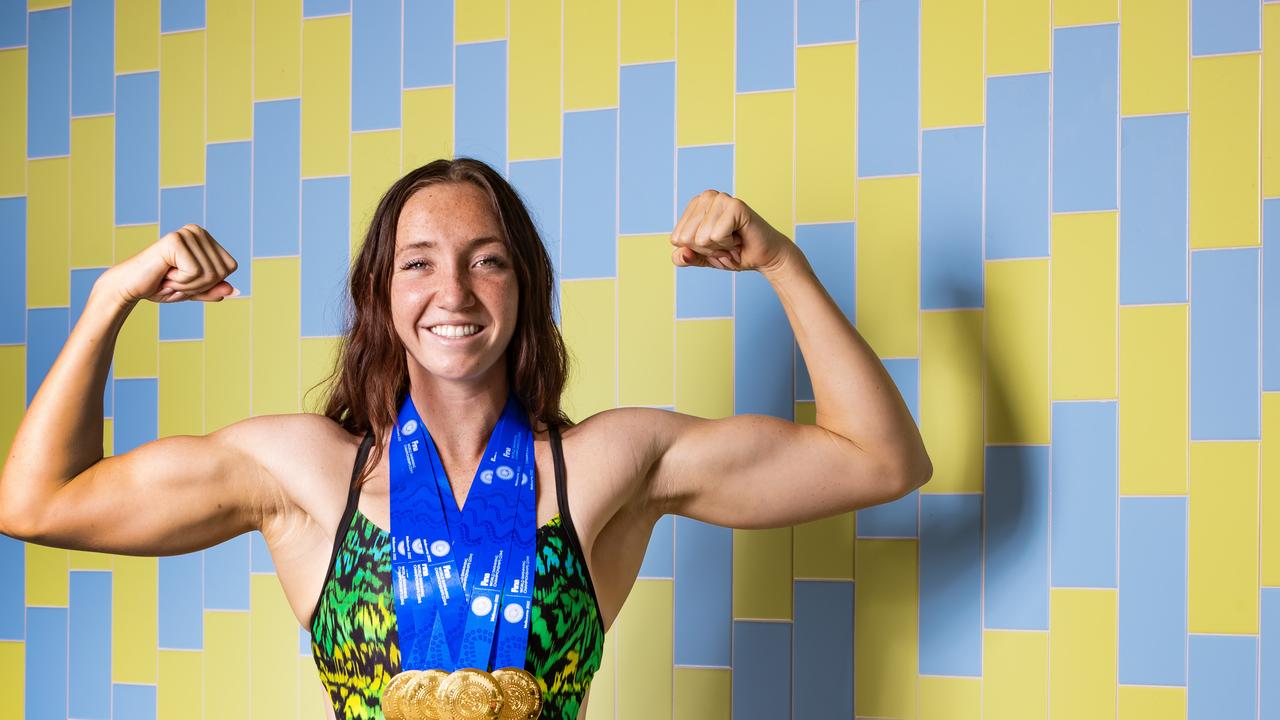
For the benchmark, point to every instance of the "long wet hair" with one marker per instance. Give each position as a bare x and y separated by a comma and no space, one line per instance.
370,376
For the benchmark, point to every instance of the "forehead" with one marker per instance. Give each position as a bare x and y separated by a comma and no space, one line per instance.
455,211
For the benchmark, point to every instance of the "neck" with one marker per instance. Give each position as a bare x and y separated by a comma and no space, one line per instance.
459,415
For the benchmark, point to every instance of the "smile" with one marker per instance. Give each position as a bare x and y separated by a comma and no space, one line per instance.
456,332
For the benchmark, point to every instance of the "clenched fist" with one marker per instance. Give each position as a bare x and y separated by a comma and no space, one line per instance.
721,231
184,264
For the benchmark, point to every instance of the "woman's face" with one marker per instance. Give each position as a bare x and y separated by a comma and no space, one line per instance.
452,270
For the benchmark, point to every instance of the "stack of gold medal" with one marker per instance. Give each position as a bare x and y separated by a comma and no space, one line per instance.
466,694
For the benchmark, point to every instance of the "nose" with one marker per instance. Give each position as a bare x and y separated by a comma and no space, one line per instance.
454,291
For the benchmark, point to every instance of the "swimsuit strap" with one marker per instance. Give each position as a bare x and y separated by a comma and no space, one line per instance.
353,501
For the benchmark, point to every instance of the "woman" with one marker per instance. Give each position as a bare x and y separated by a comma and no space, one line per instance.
451,293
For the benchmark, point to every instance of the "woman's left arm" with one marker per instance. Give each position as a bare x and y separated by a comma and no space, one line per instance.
755,470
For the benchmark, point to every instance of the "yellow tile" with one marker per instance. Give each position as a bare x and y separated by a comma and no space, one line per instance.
704,367
477,20
181,388
1085,12
134,624
276,326
274,643
45,4
92,183
13,395
646,318
318,357
428,125
313,696
1155,61
226,352
648,30
703,693
1082,652
826,132
587,319
375,166
326,97
87,560
885,628
46,575
1269,525
1270,101
226,670
763,162
1222,567
48,258
13,122
533,88
182,139
601,697
13,675
1015,675
590,55
1084,298
180,690
1017,352
645,652
108,437
1148,702
952,83
823,549
229,28
1019,33
277,49
806,412
1153,400
137,348
888,264
137,35
762,574
705,57
1224,151
951,399
950,698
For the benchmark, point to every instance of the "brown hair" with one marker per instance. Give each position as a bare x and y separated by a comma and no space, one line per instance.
370,377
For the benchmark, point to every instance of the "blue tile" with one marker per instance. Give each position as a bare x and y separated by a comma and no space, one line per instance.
703,593
1017,187
46,664
1225,396
326,254
136,702
82,281
761,670
951,219
49,83
1084,488
181,611
822,674
895,519
590,194
1153,209
1152,591
1269,665
480,103
47,331
1223,682
647,127
1085,113
89,644
13,272
428,43
951,585
320,8
137,178
304,642
1270,294
762,332
826,21
764,47
658,557
703,292
260,554
179,206
228,178
1017,538
277,153
13,23
538,184
226,575
136,408
1224,26
375,66
13,567
889,88
905,373
181,15
830,248
93,57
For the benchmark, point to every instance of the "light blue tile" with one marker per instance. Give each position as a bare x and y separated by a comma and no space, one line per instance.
375,66
703,593
1085,113
1223,682
47,331
826,21
89,644
480,103
1016,543
304,642
428,43
13,568
765,45
761,670
658,557
136,702
538,184
228,202
320,8
762,332
889,88
1225,26
93,57
822,674
13,23
226,575
326,254
1153,209
181,15
830,249
46,664
136,409
1270,294
951,219
49,83
137,178
1152,591
951,585
1084,489
647,127
894,519
179,206
82,281
1269,666
13,272
590,194
703,292
276,177
181,611
1225,396
260,554
905,373
1017,182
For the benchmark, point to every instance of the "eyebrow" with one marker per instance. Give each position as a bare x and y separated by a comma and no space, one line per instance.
429,244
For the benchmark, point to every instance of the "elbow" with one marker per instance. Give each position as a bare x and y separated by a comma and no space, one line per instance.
909,476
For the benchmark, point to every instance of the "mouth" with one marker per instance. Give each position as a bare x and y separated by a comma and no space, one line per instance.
456,334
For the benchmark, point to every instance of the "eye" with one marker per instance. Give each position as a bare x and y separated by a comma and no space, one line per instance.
412,264
493,259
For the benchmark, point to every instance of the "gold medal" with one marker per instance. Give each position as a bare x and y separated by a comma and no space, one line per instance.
419,698
521,694
392,694
470,694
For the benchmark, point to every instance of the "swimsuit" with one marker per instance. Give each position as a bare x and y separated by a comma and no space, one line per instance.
353,628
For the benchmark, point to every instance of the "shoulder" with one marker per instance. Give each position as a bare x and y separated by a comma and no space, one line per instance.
616,449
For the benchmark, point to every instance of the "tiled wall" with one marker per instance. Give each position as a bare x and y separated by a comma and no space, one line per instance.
1048,217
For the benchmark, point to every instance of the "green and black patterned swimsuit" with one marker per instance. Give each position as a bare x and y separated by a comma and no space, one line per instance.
353,628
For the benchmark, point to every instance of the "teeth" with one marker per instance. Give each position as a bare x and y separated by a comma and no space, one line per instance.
454,331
